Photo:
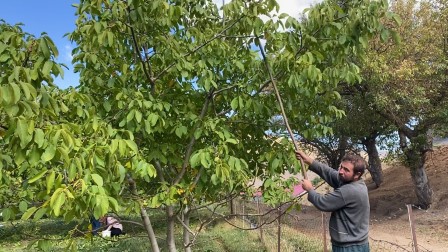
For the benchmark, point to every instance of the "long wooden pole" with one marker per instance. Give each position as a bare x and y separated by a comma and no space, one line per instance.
279,100
279,229
324,230
411,223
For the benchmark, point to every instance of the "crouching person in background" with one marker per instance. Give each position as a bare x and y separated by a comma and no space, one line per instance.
112,225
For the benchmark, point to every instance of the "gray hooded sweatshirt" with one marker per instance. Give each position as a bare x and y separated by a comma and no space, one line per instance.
348,204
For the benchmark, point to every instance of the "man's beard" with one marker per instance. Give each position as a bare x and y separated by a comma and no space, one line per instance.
347,180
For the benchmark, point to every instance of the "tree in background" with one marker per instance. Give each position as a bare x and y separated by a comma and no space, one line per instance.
405,83
361,129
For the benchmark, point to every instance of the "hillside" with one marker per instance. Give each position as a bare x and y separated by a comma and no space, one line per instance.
389,218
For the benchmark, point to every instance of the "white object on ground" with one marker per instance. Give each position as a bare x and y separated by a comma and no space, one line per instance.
105,233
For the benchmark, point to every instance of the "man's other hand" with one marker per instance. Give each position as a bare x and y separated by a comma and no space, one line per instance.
307,185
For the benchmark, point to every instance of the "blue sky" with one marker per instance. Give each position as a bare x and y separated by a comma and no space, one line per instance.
55,17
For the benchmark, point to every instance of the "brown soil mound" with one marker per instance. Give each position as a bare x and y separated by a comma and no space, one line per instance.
389,216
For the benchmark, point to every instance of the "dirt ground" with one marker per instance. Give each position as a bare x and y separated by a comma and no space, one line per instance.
389,215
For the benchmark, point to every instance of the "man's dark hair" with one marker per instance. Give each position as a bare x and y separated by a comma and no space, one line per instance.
359,164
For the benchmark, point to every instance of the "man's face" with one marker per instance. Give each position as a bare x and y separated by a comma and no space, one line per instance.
346,172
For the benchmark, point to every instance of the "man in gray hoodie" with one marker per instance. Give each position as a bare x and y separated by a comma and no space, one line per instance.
348,203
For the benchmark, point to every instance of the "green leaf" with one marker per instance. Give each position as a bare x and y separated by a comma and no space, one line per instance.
44,245
153,119
130,116
6,94
275,163
15,92
64,107
397,19
138,116
38,176
69,194
47,68
55,196
49,153
231,140
110,38
95,123
40,213
58,204
363,41
114,145
114,204
214,179
121,172
342,39
23,206
26,89
44,48
68,139
39,137
50,181
122,147
97,179
22,131
51,45
7,214
234,103
97,27
132,145
97,211
28,213
195,160
104,206
19,157
237,164
205,160
4,57
72,172
107,106
283,15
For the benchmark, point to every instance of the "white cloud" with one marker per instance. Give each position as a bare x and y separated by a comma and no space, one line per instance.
67,54
291,7
295,7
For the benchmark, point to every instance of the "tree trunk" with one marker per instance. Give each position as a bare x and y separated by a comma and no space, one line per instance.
170,240
342,149
149,230
374,168
334,156
421,182
416,157
144,216
186,234
231,206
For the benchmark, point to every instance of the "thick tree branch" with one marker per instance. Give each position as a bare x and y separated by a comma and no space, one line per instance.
193,139
159,171
147,72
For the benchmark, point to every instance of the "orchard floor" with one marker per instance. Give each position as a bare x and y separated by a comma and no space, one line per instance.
389,215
